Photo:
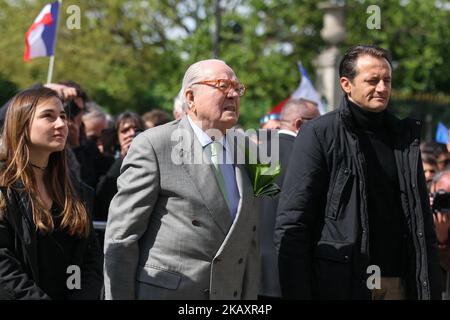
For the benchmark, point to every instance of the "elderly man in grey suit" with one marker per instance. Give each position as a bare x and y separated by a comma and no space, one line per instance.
180,228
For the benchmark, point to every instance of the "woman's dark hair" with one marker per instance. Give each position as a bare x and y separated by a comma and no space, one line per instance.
129,116
429,158
109,141
157,117
433,148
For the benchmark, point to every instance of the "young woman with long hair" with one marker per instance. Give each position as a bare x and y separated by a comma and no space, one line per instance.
48,247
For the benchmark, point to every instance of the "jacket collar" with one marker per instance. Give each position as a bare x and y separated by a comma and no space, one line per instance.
392,123
193,161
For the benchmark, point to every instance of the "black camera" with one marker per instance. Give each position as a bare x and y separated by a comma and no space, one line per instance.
72,109
441,201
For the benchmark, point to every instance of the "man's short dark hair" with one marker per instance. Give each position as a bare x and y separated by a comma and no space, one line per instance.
429,158
347,67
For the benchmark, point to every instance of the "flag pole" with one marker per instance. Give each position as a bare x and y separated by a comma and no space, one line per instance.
50,69
51,63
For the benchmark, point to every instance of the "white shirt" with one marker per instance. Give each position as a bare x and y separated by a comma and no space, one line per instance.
204,139
289,132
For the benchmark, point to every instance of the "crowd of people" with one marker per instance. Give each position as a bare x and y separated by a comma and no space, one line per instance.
182,219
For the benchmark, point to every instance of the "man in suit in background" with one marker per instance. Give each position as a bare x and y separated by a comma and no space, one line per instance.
294,113
180,228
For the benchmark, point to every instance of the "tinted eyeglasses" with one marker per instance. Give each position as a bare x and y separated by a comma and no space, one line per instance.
225,85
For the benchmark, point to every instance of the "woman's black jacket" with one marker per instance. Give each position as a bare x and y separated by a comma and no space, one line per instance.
19,274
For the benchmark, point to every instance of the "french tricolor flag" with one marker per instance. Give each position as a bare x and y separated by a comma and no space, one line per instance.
40,38
305,90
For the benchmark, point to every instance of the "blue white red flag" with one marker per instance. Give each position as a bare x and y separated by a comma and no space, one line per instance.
441,133
305,90
40,38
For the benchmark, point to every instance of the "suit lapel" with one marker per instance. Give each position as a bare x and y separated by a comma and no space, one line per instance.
244,186
202,175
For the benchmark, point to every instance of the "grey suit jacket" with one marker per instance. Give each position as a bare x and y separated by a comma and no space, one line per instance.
169,233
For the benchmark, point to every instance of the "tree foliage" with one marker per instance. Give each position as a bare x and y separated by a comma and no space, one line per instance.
131,54
418,35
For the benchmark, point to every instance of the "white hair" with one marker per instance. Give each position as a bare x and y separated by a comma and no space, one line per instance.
194,74
93,111
295,108
178,105
438,176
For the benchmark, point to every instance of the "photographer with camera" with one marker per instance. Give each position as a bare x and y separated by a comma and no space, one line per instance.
440,204
91,163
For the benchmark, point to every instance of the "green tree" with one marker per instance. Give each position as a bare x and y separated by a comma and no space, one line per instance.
418,35
131,54
8,89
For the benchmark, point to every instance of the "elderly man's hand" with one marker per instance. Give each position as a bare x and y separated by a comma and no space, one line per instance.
66,93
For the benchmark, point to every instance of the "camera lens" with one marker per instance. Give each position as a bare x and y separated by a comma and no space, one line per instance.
441,201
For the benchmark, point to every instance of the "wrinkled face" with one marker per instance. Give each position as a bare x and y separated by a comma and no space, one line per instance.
94,127
271,124
48,128
212,107
371,88
443,161
443,183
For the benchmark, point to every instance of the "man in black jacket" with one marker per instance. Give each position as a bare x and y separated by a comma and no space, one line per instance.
354,220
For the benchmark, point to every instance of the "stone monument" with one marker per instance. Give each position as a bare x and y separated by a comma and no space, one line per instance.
327,63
